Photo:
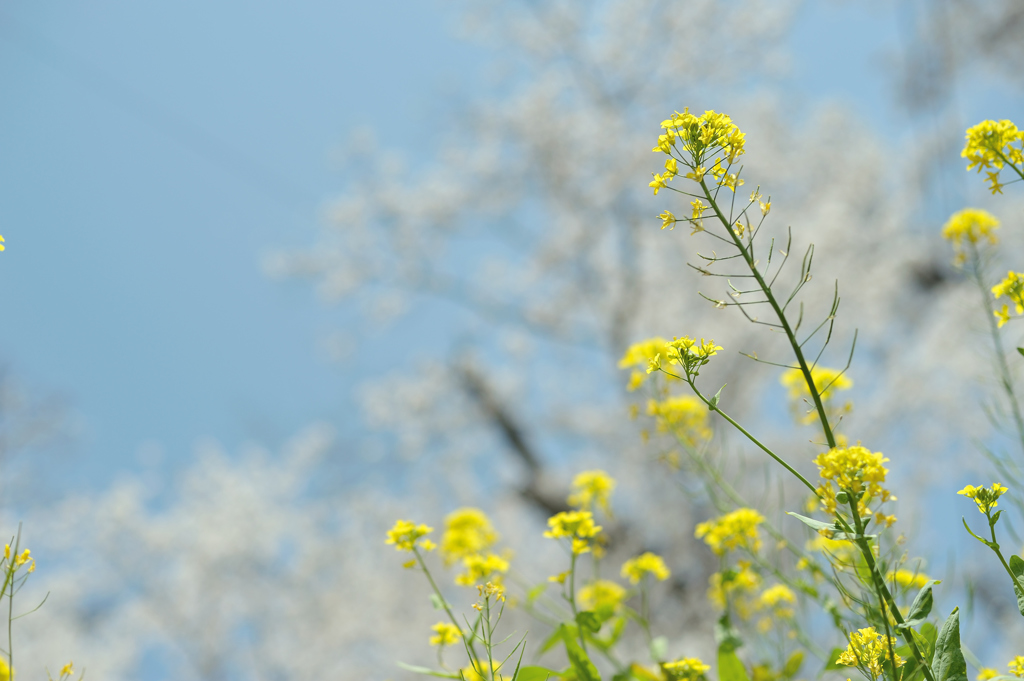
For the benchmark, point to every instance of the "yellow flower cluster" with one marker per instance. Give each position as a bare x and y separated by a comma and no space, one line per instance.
639,355
590,489
467,531
472,673
20,559
868,650
732,530
578,526
645,564
655,353
826,382
855,469
479,567
705,144
685,669
741,581
445,634
991,145
1016,666
602,595
985,498
1013,288
969,226
686,417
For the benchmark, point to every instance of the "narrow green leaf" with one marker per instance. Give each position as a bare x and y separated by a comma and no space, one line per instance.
1017,568
535,674
921,606
812,523
730,667
714,400
427,671
949,663
1021,351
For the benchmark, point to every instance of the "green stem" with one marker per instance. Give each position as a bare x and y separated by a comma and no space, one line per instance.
995,547
572,601
470,648
885,596
797,350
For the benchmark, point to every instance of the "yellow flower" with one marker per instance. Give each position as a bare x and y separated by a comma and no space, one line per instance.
773,596
479,567
1002,315
969,225
985,498
671,168
991,144
446,634
731,531
602,594
591,488
644,564
853,469
2,247
868,650
685,669
986,673
1016,666
576,525
659,182
5,671
686,417
766,206
467,531
668,220
472,673
68,669
560,577
495,589
1013,288
405,534
908,578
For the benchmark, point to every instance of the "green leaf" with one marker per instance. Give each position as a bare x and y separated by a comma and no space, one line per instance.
581,664
426,671
551,640
1021,351
730,667
832,657
1017,568
534,674
714,400
659,648
793,664
812,523
921,606
588,621
536,592
949,663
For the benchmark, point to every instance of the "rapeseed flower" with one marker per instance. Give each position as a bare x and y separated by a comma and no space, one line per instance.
777,601
577,526
602,595
868,650
479,567
731,531
645,564
986,673
592,488
467,531
445,634
985,498
1013,288
700,142
992,144
969,226
1016,666
739,583
685,669
908,578
826,382
856,470
405,534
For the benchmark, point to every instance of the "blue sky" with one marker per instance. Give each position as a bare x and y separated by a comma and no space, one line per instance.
152,154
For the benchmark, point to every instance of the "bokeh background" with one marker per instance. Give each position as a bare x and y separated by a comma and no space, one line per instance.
277,275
